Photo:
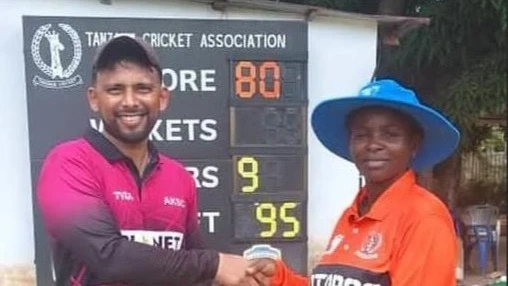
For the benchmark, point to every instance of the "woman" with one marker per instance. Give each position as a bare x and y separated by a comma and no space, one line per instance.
395,232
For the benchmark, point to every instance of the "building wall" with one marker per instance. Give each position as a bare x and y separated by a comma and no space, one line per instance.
341,59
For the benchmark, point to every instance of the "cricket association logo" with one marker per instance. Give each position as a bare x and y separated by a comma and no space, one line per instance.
54,49
370,246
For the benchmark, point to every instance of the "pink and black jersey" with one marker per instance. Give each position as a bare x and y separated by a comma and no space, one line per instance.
109,225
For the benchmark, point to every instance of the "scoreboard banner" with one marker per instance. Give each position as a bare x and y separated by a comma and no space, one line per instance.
237,118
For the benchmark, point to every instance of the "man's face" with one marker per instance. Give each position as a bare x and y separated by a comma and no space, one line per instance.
382,144
129,99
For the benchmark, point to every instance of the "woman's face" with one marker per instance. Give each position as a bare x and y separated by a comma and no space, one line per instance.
382,143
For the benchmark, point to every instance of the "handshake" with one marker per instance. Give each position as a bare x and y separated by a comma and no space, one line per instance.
235,270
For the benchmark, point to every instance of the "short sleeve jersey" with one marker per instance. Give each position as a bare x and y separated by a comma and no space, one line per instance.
406,238
93,199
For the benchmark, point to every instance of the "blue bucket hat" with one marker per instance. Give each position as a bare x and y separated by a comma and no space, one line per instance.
440,138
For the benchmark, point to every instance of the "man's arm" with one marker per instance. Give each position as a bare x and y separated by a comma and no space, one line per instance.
77,216
427,255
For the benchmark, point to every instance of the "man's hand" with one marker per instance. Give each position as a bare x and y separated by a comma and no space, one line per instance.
232,271
262,270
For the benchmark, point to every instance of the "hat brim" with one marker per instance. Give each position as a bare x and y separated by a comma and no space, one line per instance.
439,141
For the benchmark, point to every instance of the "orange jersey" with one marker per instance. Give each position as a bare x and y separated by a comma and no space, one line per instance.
406,238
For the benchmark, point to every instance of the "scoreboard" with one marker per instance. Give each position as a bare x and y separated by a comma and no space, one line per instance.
237,118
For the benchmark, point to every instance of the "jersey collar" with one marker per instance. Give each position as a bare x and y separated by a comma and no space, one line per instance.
109,150
389,200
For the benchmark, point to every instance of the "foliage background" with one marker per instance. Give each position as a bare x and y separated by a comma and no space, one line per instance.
458,64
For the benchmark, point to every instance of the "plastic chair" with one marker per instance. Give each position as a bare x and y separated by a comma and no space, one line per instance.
481,221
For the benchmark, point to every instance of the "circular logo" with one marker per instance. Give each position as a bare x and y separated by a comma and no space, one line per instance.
54,68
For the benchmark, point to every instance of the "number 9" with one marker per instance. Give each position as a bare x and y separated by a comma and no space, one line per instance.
249,173
270,219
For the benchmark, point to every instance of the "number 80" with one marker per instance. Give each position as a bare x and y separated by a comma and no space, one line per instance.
250,79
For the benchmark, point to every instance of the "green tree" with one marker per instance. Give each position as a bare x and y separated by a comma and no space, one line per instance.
458,63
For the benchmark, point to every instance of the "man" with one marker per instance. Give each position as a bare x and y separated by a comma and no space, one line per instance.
105,196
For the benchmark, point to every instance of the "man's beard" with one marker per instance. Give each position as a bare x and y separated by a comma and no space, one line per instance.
131,137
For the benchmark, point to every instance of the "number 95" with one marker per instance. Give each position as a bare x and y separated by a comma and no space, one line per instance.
266,213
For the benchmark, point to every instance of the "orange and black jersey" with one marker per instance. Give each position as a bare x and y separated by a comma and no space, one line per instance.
406,238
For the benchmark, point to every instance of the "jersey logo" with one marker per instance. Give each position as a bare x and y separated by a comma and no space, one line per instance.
334,243
173,201
163,239
370,246
123,196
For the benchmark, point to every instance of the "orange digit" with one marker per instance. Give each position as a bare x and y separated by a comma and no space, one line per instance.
248,79
270,94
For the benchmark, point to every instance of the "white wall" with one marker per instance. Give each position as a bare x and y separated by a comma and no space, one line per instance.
341,59
342,56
